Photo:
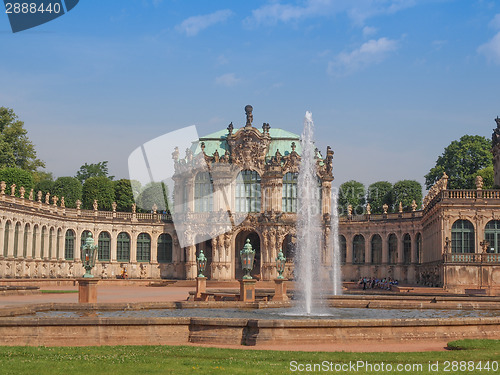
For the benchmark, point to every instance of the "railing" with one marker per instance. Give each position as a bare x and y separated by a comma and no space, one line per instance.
472,258
463,195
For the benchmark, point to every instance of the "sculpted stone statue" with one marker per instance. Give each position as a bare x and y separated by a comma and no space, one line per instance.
3,185
400,207
54,200
47,198
175,154
413,205
368,209
31,195
155,208
495,137
63,204
479,183
248,112
134,208
94,205
78,204
22,191
113,206
349,210
12,190
385,207
39,196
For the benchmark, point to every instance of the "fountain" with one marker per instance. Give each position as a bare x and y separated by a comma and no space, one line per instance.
335,248
308,265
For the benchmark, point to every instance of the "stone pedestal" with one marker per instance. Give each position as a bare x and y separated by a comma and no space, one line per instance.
87,290
201,287
247,290
280,290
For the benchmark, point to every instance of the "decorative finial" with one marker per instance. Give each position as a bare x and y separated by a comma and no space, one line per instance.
248,111
230,128
293,146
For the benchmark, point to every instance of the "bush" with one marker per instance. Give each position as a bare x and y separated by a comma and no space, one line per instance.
69,188
101,189
352,193
380,193
406,191
19,177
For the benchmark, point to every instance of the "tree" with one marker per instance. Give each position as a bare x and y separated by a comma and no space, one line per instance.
69,188
19,177
45,186
93,170
154,193
407,191
461,161
124,194
16,150
352,193
101,189
380,193
488,175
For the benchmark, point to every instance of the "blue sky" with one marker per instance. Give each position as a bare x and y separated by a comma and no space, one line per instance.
390,83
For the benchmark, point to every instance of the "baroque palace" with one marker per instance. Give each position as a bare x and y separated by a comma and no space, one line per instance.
242,184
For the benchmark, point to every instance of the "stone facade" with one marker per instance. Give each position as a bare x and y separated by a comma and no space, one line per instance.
250,175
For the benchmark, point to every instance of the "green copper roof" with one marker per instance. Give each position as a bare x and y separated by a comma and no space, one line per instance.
280,140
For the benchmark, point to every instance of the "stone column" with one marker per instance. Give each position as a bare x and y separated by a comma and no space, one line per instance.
154,247
53,244
113,245
414,247
191,262
20,243
10,246
348,243
400,242
385,248
78,246
2,235
61,237
133,247
38,243
368,248
29,244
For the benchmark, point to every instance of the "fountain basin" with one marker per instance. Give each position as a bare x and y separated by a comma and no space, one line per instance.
94,329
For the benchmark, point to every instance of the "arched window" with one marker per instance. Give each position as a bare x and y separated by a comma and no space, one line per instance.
358,247
247,197
462,237
393,249
289,198
123,247
419,247
85,234
492,235
104,247
406,249
164,248
376,249
343,248
203,192
143,247
69,245
6,238
16,239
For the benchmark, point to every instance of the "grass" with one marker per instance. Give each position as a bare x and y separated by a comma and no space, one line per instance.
58,291
187,359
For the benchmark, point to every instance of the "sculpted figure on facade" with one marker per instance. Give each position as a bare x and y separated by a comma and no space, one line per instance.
385,207
94,205
12,190
22,192
248,112
479,183
31,195
368,209
3,186
47,198
63,203
54,200
39,196
78,204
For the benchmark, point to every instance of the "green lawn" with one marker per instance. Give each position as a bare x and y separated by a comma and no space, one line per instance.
128,360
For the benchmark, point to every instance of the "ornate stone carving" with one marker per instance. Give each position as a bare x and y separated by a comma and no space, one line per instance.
248,112
94,205
113,206
12,190
54,200
349,210
31,195
47,198
78,204
22,192
385,207
39,196
368,209
400,207
230,128
134,208
479,183
3,186
413,205
63,203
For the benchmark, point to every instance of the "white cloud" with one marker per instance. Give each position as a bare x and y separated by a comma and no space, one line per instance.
495,22
228,80
358,10
491,49
371,52
193,25
367,30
